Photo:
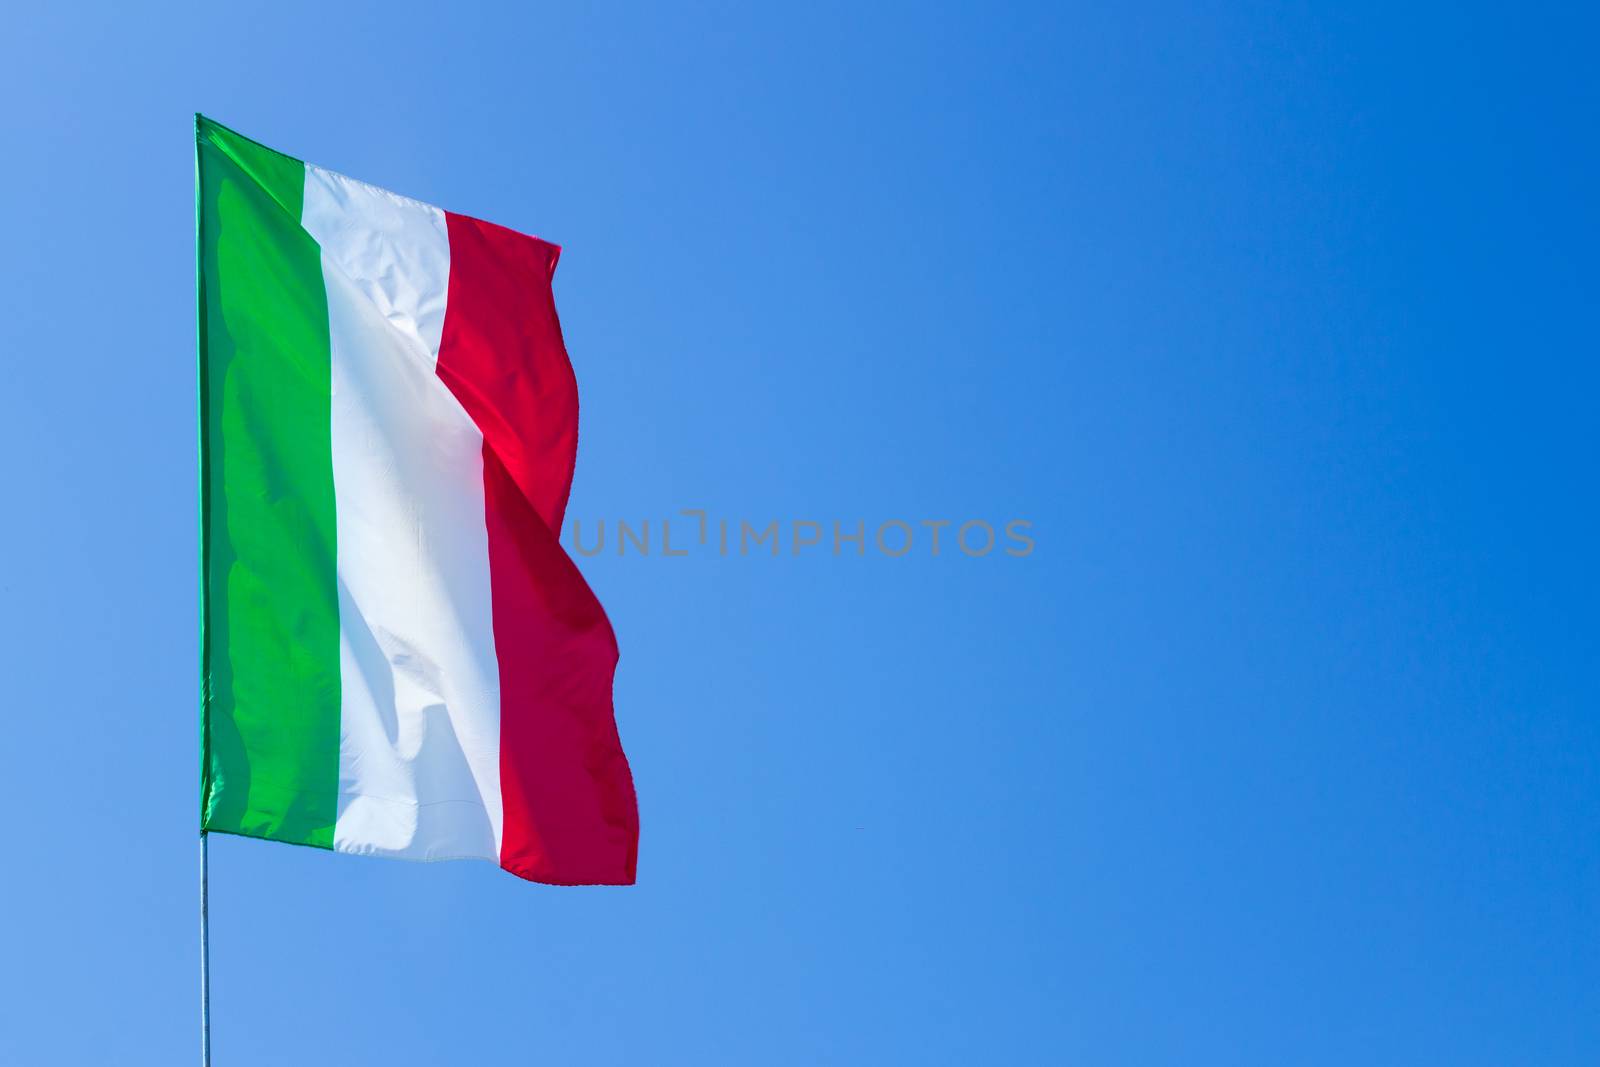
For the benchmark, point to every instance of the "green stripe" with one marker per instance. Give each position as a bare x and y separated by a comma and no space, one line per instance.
269,605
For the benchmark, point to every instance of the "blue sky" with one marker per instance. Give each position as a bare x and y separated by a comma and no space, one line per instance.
1276,323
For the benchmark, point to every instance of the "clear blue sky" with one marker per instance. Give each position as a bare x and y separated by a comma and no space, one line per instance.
1282,747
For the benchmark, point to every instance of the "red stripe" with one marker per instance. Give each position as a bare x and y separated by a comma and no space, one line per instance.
570,814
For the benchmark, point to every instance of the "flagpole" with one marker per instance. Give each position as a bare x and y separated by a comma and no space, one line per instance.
205,957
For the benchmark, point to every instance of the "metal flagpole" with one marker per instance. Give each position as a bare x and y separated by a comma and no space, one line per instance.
205,959
200,379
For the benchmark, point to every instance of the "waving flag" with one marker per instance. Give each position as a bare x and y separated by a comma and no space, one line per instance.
397,656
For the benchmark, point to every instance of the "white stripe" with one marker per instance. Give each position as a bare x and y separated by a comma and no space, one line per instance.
419,748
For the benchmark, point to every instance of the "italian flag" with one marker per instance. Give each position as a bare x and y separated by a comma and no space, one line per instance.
397,656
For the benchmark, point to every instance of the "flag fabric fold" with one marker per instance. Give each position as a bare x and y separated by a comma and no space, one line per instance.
397,656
